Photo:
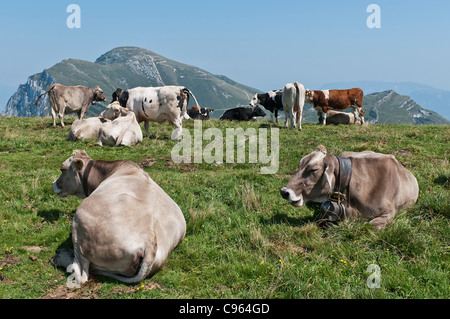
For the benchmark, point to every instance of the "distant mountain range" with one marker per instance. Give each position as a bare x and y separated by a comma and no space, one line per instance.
128,67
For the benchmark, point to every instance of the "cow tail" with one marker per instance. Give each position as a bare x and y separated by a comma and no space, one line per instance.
51,88
187,91
300,99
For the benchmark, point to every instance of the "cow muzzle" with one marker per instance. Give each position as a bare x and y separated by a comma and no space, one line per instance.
290,195
56,189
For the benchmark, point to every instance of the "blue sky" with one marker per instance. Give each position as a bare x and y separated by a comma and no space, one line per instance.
263,44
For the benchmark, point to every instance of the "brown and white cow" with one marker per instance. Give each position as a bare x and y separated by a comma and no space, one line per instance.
340,100
125,227
379,185
71,99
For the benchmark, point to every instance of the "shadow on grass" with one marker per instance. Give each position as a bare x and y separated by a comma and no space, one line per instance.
300,221
52,215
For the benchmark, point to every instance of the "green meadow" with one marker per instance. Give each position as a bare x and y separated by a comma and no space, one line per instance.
243,240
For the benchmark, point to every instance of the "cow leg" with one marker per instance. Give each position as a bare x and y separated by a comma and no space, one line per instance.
177,133
276,116
61,119
383,220
146,126
272,117
324,118
54,117
299,119
292,117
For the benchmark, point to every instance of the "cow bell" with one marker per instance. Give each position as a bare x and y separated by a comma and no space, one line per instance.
332,211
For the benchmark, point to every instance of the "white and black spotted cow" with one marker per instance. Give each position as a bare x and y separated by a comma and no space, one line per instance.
271,101
158,104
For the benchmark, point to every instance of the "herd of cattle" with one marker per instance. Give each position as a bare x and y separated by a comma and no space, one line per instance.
127,226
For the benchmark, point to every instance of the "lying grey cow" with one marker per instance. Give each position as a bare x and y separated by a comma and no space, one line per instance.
125,227
379,185
336,117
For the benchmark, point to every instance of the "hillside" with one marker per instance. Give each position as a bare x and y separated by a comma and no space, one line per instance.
243,240
128,67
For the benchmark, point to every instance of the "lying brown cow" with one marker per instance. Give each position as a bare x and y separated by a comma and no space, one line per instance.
126,226
340,100
70,99
379,185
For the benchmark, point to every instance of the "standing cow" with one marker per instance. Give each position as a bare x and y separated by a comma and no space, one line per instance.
70,99
125,227
340,100
271,101
375,185
293,100
158,104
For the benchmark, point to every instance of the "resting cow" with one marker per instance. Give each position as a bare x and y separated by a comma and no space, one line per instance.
242,114
158,104
341,100
202,113
376,188
123,131
86,129
125,227
70,99
271,101
336,118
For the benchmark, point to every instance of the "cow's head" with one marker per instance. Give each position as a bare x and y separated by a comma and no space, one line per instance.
309,95
313,180
70,182
257,111
254,101
98,94
113,111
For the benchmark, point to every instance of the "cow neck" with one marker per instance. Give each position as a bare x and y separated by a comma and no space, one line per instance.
343,175
85,176
95,173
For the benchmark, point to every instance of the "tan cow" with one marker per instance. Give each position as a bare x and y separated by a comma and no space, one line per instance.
123,131
125,227
70,99
379,185
89,128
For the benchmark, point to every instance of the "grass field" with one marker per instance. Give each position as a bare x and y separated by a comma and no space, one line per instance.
243,240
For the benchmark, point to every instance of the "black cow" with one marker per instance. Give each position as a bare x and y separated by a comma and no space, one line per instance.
203,114
270,100
116,95
242,113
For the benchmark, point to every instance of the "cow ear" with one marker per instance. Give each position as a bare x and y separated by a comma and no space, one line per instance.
78,164
328,175
322,149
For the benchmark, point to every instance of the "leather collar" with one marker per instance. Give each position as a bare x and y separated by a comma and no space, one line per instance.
341,191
